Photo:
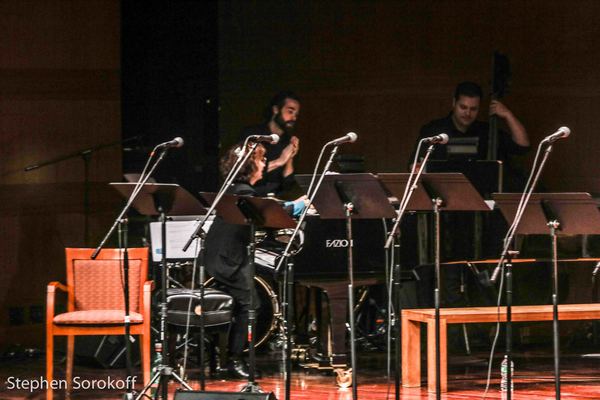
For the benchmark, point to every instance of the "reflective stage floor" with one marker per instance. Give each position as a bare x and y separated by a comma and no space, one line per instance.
580,379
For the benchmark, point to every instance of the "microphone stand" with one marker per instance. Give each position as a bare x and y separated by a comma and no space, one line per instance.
200,236
507,274
288,274
121,222
85,155
595,299
393,239
228,181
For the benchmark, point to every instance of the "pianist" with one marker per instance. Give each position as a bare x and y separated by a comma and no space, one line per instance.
226,255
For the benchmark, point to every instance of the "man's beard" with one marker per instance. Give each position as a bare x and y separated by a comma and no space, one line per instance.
287,127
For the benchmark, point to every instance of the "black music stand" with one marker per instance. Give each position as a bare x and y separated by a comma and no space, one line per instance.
395,185
161,199
569,213
173,199
352,196
450,192
254,212
486,176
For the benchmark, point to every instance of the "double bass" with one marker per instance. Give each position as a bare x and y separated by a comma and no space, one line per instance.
500,85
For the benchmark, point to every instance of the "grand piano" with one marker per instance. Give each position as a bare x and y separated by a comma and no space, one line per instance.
322,262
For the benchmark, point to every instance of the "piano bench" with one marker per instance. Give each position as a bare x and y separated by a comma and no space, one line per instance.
413,318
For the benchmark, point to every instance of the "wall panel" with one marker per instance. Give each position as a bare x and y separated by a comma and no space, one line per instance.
59,93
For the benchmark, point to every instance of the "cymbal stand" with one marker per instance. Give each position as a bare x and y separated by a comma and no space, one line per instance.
287,304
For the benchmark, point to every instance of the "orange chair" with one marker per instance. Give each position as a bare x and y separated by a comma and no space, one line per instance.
96,303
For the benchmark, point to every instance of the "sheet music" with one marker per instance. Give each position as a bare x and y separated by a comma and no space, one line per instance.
178,233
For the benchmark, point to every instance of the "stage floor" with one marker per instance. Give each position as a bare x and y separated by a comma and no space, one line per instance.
534,379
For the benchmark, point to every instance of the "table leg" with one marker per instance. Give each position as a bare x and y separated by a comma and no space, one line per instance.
411,353
431,381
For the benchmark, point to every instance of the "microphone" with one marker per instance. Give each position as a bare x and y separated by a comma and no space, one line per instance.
561,133
274,138
349,137
442,138
177,142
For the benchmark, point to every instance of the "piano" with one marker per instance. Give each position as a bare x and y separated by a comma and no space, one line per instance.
322,263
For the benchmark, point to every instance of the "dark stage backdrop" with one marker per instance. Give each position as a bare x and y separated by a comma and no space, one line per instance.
169,74
59,94
384,68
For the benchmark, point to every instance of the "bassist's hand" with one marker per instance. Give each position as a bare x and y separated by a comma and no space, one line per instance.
499,109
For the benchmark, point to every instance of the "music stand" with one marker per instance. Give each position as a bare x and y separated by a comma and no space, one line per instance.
173,198
160,199
450,192
485,175
395,185
352,196
569,213
254,212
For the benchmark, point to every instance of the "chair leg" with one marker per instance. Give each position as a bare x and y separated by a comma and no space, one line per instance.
70,354
223,356
142,363
145,339
49,362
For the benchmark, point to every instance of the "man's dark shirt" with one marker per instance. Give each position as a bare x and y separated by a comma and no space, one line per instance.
506,146
274,181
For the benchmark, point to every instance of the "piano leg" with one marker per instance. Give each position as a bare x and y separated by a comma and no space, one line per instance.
337,299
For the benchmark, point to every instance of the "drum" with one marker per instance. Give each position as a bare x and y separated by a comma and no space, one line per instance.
284,235
269,313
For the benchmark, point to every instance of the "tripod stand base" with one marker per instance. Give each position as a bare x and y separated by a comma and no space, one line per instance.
163,375
252,387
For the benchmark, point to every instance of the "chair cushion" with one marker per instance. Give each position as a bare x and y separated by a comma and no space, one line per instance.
96,317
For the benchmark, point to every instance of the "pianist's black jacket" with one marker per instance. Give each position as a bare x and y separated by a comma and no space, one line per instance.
226,243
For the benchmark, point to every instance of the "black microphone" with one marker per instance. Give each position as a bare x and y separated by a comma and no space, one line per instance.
561,133
442,138
177,142
349,137
274,138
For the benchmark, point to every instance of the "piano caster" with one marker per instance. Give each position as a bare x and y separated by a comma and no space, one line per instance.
343,377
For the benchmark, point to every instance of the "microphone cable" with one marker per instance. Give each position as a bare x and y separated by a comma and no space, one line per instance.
528,190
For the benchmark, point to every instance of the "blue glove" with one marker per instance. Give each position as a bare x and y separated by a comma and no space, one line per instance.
298,205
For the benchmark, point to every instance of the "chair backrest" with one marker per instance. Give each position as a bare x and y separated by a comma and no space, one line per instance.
98,284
